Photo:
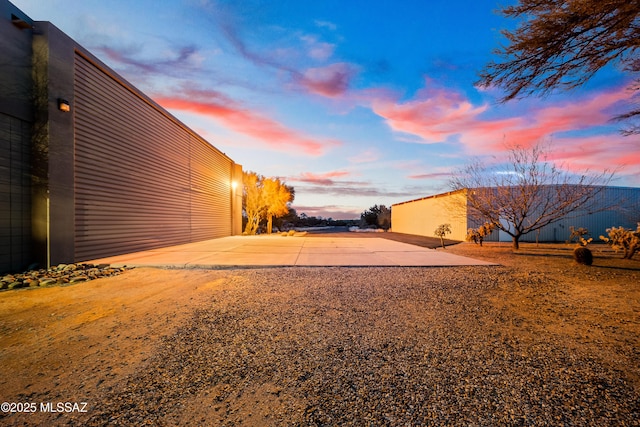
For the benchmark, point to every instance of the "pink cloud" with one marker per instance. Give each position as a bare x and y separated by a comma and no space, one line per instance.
331,81
599,152
434,115
366,156
544,122
329,211
320,178
431,175
437,114
270,132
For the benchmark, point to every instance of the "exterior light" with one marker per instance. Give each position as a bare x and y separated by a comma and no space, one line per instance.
234,185
63,105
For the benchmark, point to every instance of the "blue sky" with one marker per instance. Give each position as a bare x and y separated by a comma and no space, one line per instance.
354,103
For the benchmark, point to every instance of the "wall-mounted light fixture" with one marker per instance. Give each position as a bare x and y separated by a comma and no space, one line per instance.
234,185
63,105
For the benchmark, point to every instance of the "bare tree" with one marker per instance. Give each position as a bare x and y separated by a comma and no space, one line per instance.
527,193
562,44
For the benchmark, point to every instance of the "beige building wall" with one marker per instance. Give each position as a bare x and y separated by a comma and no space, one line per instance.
423,216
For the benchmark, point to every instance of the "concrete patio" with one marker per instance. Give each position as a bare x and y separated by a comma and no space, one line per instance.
279,251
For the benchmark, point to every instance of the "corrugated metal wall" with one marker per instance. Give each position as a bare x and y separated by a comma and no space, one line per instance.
616,207
142,180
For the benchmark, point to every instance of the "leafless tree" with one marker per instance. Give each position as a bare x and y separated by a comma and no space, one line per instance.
528,192
562,44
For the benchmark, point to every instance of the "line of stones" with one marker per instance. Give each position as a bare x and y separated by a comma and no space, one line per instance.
59,275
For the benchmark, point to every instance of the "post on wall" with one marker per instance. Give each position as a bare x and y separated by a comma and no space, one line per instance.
236,199
53,217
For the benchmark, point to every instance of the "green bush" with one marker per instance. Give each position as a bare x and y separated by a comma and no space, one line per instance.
583,255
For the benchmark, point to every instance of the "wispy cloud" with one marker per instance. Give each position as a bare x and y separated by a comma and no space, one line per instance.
326,24
326,178
430,175
175,62
320,51
367,156
240,119
331,81
356,190
329,211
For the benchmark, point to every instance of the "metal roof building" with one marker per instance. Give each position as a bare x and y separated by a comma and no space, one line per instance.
615,207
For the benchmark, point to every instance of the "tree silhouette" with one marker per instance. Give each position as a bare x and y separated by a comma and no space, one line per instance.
562,44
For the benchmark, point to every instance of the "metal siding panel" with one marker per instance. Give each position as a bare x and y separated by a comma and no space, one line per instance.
142,181
211,191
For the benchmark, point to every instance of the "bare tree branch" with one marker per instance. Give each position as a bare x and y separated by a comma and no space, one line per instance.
529,192
562,44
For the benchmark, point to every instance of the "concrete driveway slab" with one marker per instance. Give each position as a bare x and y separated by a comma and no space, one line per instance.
246,251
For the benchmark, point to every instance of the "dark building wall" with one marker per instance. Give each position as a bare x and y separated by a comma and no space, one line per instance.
114,174
15,138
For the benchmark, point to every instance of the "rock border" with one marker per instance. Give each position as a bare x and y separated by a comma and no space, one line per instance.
61,274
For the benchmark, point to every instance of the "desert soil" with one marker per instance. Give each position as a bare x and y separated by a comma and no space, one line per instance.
538,340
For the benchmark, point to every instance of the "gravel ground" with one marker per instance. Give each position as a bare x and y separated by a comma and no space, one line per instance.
371,346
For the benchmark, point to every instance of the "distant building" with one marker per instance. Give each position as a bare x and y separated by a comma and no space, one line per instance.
422,216
92,167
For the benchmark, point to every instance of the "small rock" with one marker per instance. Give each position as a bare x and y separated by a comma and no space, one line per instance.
47,281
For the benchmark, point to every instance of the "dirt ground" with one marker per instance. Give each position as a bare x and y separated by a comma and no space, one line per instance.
75,343
596,307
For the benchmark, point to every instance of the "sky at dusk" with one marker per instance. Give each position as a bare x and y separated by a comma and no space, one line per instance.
353,103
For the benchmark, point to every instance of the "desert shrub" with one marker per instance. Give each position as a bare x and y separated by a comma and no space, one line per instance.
623,239
472,235
441,231
582,255
579,235
477,235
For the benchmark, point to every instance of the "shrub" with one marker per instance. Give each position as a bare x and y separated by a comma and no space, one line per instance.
441,231
579,234
477,235
582,255
623,239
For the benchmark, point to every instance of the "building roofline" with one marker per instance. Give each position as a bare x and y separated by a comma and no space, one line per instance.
448,193
462,190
